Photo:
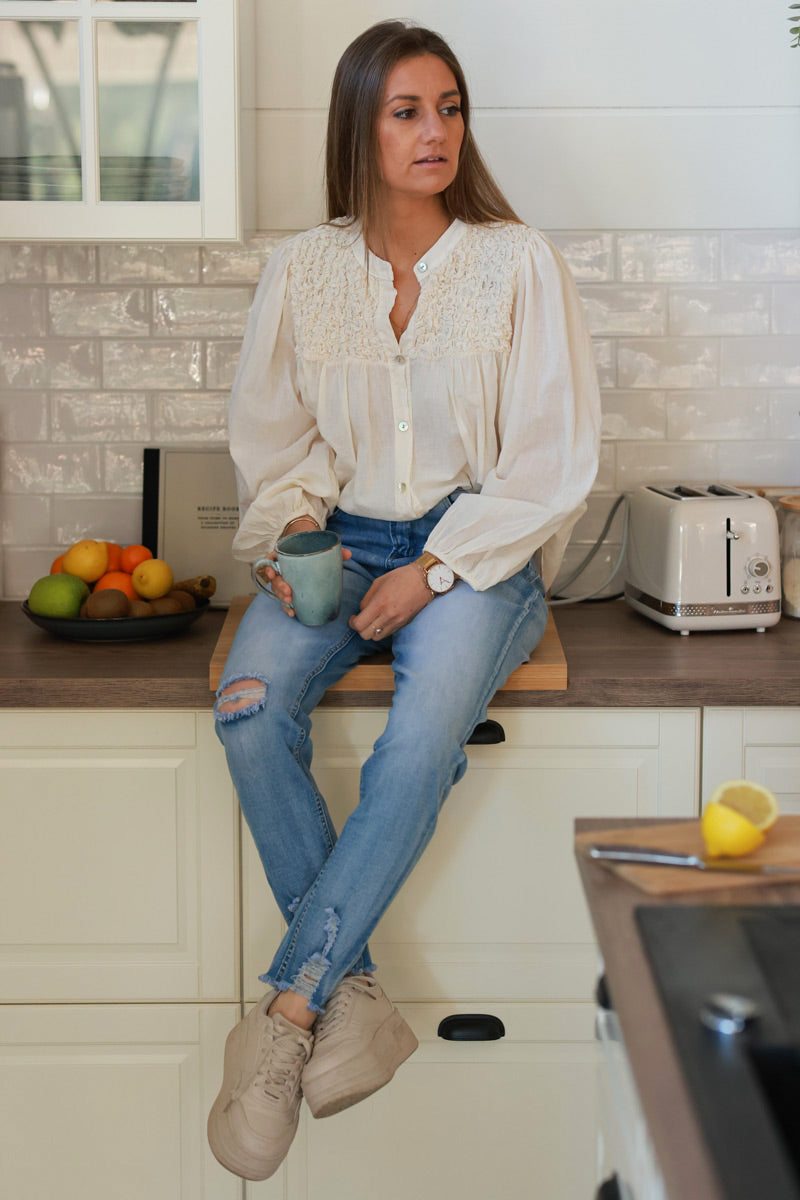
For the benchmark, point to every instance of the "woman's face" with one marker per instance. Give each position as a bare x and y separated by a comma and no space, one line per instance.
420,128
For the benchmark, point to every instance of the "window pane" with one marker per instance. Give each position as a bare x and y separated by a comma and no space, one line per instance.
148,110
40,122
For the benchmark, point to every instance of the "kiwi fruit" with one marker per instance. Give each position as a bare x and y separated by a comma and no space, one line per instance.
185,599
141,608
106,604
165,605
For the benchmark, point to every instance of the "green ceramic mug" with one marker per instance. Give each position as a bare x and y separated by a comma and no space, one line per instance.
311,563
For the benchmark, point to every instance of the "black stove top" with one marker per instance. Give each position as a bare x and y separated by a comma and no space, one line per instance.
745,1085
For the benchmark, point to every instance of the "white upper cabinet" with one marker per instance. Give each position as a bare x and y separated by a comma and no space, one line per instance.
119,120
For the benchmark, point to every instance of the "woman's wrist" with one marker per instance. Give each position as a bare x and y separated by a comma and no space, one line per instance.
297,524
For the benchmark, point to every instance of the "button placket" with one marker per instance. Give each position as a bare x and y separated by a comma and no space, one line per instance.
403,444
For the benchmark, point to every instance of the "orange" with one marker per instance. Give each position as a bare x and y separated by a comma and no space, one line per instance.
152,578
56,566
120,580
133,555
87,559
114,556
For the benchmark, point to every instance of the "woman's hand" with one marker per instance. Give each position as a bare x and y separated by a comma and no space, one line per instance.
279,585
392,601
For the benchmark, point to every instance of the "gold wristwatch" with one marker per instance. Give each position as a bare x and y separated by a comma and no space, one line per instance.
438,577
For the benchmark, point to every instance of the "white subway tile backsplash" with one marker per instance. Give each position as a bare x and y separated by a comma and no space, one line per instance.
108,518
668,257
222,359
665,462
136,263
634,415
761,254
41,363
760,362
21,311
20,262
238,264
201,311
70,264
786,308
152,365
722,309
590,256
724,414
616,309
23,417
99,312
773,464
190,417
105,349
784,408
100,417
24,519
668,363
48,468
122,468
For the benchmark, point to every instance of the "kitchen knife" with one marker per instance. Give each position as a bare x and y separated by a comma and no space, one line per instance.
671,858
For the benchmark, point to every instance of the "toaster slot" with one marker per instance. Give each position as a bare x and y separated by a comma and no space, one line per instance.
730,537
723,489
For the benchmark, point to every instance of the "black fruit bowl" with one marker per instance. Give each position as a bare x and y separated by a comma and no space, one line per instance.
117,629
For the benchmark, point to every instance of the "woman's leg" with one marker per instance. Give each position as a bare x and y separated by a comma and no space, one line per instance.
448,663
275,674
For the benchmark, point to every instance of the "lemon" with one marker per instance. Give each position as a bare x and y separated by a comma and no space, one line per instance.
727,834
57,596
87,559
752,800
152,578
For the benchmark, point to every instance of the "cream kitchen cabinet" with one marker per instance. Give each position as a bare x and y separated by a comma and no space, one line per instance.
120,120
493,921
762,744
118,860
101,1101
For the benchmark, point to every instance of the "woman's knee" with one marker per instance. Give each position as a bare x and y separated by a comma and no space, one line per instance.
240,698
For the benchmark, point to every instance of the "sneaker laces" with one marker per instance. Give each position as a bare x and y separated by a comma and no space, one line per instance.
283,1060
339,1005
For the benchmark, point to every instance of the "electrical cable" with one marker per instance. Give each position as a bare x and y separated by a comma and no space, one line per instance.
557,601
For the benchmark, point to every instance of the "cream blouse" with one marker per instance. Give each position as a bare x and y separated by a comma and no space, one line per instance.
491,389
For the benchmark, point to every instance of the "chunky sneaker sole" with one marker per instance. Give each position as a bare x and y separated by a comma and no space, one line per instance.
249,1132
354,1063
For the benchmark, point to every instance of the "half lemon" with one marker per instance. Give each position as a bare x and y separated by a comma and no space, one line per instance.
750,800
727,834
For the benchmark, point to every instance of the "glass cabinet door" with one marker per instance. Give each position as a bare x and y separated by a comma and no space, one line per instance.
118,119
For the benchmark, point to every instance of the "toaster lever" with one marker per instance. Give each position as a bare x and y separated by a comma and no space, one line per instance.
733,537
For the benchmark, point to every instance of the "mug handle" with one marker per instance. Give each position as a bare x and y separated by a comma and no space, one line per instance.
259,582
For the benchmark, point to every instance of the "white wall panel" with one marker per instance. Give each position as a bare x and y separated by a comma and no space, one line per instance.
540,53
584,169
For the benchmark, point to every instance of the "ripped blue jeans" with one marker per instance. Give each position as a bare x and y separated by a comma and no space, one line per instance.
448,662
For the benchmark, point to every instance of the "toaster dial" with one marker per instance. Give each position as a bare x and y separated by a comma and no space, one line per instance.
758,567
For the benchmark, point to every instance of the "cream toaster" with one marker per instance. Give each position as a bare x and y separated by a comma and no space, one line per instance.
703,557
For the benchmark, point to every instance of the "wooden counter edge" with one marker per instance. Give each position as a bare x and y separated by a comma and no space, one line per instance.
667,1104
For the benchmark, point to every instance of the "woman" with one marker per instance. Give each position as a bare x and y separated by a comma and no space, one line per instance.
416,375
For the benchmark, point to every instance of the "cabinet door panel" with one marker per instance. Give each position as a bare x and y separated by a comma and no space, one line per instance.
101,1101
101,865
762,744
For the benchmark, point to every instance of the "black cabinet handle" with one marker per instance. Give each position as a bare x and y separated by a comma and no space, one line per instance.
487,733
609,1189
471,1027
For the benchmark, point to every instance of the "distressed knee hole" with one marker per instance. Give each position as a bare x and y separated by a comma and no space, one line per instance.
240,698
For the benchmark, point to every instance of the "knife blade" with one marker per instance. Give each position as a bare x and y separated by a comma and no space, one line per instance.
620,852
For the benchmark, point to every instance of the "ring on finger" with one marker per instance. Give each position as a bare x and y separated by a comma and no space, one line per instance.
378,630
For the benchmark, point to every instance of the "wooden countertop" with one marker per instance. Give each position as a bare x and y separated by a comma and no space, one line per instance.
680,1149
615,657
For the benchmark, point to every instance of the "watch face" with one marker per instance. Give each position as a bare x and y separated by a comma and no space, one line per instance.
440,578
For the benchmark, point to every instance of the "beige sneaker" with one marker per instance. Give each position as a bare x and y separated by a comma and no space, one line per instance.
255,1115
359,1043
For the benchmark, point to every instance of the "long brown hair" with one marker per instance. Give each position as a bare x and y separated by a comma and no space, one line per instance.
351,157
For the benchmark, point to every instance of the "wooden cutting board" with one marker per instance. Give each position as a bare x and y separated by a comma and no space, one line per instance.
782,847
545,671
